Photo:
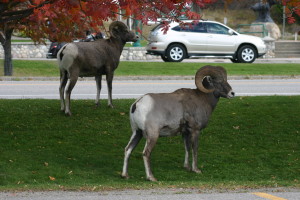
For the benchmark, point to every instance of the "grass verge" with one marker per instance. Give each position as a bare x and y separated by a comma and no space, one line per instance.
250,142
49,68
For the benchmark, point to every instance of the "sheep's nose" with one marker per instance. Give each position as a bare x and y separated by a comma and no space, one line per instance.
231,94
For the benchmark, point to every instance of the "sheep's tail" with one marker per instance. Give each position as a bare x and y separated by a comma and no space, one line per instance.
60,53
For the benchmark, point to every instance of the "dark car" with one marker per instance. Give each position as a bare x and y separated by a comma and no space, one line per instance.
54,48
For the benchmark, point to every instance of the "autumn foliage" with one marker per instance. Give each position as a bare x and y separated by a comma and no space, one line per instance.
292,8
66,19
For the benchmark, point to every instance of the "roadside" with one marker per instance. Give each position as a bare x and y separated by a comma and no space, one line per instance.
127,78
212,61
152,194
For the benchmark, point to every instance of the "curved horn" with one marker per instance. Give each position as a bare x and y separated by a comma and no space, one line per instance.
215,72
116,25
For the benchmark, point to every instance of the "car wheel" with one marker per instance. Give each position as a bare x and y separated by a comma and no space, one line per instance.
176,53
164,58
247,54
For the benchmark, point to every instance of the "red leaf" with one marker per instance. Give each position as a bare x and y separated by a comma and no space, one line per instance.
291,20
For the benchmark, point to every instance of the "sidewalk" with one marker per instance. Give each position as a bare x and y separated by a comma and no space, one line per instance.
200,60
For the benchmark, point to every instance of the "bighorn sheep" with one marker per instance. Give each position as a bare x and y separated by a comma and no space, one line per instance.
96,58
184,111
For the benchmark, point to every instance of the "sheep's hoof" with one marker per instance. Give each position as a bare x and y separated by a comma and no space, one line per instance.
110,106
68,114
198,171
125,176
152,179
188,168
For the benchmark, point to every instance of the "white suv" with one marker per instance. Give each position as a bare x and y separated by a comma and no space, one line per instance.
204,39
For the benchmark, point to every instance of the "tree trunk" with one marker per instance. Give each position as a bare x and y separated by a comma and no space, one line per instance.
8,68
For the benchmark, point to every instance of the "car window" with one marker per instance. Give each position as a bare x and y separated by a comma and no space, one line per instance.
183,28
157,27
191,27
200,28
216,28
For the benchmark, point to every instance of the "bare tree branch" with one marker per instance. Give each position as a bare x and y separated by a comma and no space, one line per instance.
7,16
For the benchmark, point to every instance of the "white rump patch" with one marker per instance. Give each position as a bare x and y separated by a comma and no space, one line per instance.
70,52
143,106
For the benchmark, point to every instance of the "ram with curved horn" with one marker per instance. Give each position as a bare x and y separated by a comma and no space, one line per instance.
97,58
184,111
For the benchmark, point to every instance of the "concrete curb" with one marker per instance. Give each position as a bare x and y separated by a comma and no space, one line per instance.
136,78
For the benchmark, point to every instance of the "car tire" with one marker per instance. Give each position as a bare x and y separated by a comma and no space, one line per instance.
246,54
176,53
164,58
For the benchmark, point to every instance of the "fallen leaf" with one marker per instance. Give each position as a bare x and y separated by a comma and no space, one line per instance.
51,178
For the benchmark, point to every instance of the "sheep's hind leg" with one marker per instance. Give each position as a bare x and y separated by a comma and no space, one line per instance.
134,140
187,145
63,82
150,143
70,87
99,85
195,136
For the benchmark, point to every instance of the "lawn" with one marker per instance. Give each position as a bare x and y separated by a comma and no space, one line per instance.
49,68
250,142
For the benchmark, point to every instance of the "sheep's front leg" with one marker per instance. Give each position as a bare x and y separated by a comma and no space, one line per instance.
109,79
134,140
195,136
150,143
187,145
63,82
98,84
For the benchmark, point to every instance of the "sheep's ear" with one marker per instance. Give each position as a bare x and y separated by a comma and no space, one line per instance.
208,82
115,31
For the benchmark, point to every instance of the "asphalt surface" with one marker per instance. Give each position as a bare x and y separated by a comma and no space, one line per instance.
124,89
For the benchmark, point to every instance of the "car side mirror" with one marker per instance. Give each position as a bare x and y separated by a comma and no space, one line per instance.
230,32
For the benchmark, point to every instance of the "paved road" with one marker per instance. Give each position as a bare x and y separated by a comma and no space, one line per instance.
160,194
136,88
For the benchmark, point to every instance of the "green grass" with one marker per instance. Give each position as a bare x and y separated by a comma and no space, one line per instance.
250,142
49,68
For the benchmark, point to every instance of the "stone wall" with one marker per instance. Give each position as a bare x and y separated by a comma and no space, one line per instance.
29,50
270,46
136,53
